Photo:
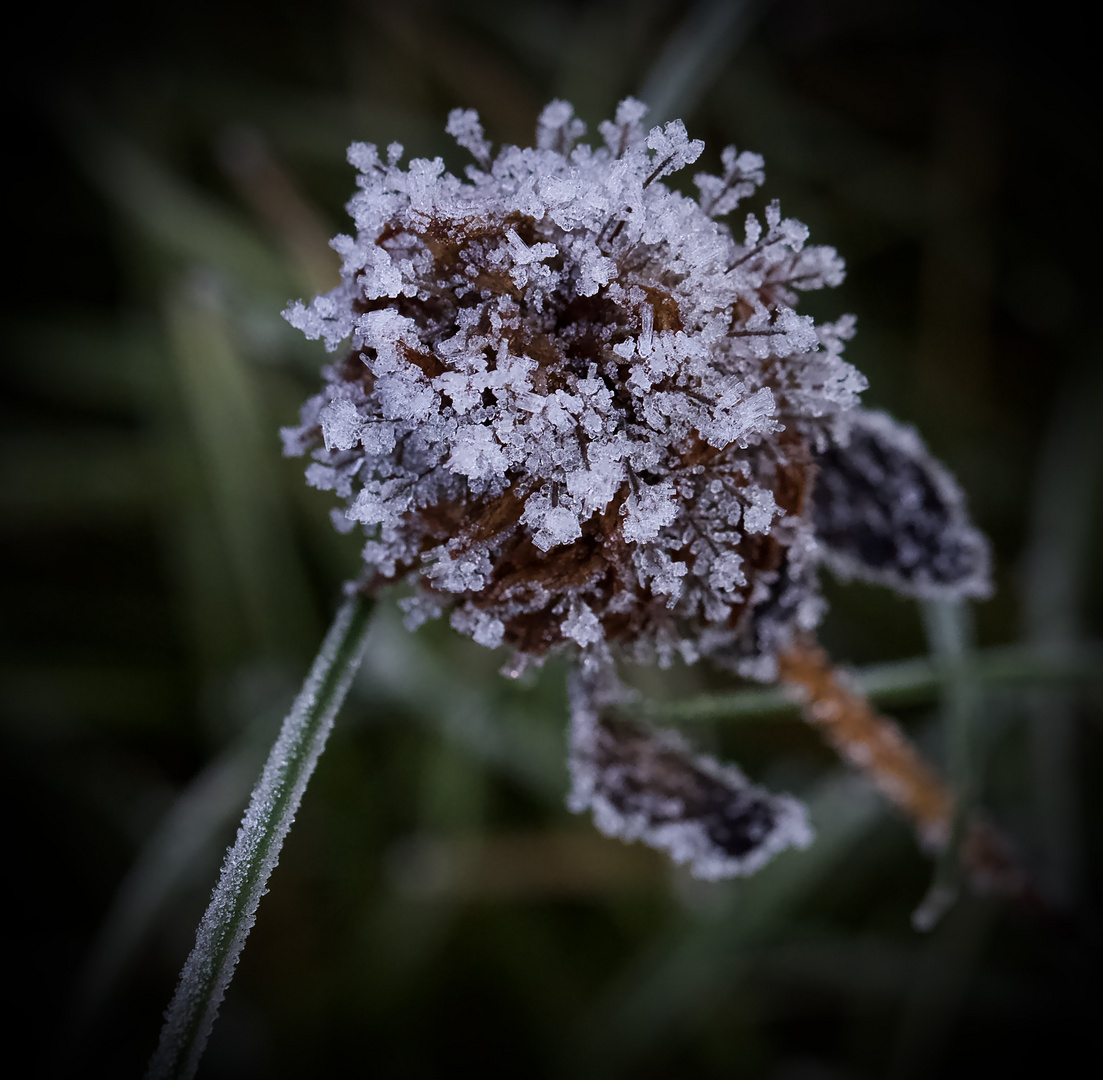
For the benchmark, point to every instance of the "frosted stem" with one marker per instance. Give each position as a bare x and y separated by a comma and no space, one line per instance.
249,863
868,740
902,682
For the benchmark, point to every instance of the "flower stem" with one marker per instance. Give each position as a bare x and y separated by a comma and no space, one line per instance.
249,863
879,748
917,681
870,741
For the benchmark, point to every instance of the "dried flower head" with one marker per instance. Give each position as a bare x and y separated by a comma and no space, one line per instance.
579,410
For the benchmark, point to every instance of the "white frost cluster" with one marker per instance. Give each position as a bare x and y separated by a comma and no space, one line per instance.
575,405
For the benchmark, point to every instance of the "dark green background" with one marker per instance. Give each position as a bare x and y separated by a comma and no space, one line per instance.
173,172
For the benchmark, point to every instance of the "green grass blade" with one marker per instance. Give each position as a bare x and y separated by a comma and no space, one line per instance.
1058,566
695,54
949,631
249,863
176,851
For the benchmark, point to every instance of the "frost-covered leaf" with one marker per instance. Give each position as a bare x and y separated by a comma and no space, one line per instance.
647,785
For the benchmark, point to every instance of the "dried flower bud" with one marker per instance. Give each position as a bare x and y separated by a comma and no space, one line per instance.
886,512
647,785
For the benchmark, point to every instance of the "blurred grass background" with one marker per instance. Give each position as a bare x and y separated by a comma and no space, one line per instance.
173,177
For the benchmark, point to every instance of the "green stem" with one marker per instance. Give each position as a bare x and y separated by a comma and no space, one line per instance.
949,632
903,682
249,863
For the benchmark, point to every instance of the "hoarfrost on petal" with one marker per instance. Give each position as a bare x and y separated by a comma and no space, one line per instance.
476,453
759,514
649,511
582,626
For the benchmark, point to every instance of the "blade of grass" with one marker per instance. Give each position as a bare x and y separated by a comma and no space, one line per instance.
270,190
222,398
175,215
176,852
249,863
695,54
476,715
1056,567
949,633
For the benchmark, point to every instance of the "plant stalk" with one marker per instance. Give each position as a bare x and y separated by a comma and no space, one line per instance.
869,741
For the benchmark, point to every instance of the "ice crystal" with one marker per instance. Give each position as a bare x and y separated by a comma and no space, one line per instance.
579,411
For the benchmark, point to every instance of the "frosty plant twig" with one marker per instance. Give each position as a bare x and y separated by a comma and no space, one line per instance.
577,411
872,743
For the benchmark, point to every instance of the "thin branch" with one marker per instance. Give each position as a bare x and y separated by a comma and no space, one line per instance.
871,742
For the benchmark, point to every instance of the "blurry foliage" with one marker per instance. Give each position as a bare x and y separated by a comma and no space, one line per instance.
177,172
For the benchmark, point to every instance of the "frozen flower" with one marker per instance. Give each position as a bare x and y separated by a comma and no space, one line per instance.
579,411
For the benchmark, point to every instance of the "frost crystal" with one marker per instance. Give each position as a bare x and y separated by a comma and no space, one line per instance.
579,411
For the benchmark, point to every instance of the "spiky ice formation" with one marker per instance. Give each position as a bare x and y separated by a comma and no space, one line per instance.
576,408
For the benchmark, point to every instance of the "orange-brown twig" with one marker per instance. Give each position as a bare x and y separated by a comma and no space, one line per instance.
873,743
878,747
